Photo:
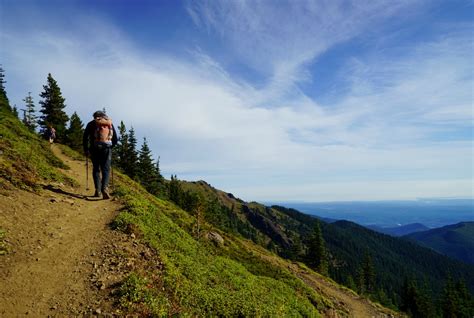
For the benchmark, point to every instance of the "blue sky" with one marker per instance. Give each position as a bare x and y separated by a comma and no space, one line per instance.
270,100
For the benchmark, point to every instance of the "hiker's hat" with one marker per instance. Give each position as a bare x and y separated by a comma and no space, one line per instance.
99,113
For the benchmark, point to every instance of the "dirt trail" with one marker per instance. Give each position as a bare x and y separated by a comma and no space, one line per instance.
53,239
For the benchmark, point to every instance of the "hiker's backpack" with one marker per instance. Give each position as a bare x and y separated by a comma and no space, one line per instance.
52,133
103,131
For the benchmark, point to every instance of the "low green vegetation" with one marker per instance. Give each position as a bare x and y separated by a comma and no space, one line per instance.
25,159
201,280
137,294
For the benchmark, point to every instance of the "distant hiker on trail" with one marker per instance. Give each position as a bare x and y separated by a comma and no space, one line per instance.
51,134
99,138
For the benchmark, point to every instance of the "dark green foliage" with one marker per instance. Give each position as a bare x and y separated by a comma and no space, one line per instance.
29,117
3,93
121,149
456,301
227,220
415,301
52,108
366,275
148,171
454,240
295,252
125,155
316,256
131,155
393,259
15,111
75,132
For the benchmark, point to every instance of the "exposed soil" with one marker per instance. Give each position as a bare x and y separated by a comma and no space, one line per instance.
63,259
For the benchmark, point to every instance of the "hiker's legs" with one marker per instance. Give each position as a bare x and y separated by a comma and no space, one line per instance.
95,158
105,167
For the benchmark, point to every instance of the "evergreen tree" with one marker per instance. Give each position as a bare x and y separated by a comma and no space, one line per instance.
131,155
147,169
15,111
175,192
121,149
3,92
52,109
29,117
366,275
75,132
296,248
466,300
415,300
456,301
317,256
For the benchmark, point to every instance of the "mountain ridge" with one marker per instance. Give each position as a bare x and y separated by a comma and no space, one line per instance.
456,240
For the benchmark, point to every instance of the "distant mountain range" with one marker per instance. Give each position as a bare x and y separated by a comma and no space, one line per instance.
433,213
400,230
456,241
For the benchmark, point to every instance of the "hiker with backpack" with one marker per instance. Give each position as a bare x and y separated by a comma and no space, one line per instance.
50,134
98,140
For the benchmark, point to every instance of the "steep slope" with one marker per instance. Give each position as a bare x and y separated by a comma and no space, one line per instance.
286,231
62,258
456,241
393,257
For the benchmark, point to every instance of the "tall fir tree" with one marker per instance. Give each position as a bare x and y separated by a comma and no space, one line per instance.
131,155
29,117
52,108
316,256
147,169
75,132
3,93
175,192
366,275
120,150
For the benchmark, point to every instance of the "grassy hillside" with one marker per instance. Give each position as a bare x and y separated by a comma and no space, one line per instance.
204,279
456,241
286,231
26,160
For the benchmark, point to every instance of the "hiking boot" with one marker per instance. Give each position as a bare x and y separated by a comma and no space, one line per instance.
105,194
96,194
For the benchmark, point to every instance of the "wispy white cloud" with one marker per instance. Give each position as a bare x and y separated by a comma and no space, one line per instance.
279,39
261,143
